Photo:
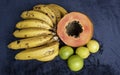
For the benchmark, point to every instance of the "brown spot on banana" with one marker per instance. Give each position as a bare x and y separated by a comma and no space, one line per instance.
49,52
18,41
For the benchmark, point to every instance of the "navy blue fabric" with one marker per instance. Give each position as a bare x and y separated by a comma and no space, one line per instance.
105,17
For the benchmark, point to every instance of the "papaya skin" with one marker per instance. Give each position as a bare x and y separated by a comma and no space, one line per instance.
84,37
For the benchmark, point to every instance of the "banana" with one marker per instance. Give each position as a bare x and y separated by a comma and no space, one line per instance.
33,23
48,58
30,32
56,12
30,42
31,14
46,10
39,52
60,8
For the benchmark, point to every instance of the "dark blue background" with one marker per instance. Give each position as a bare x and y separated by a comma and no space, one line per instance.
105,15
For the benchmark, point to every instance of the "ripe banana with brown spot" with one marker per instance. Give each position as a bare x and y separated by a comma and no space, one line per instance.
41,52
31,14
31,32
46,10
60,8
33,23
30,42
56,12
48,58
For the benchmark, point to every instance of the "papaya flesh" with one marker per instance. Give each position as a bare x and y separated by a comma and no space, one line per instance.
75,29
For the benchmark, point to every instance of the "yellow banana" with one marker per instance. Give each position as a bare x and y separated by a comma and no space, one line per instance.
46,10
31,14
56,12
60,8
38,52
48,58
33,23
30,42
30,32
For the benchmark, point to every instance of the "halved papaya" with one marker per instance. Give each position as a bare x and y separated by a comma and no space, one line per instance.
75,29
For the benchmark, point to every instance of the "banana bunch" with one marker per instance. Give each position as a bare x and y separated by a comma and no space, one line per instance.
36,33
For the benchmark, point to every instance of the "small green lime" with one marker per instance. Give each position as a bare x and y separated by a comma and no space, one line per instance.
93,46
83,52
75,63
65,52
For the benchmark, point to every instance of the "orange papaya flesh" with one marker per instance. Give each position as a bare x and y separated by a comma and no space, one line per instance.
75,29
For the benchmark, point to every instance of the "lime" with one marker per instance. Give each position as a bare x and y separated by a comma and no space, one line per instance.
83,52
93,46
75,63
65,52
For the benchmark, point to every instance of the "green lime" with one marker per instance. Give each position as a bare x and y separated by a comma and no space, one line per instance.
93,46
65,52
75,63
83,52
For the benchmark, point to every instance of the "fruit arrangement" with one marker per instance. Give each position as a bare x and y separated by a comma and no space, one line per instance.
42,30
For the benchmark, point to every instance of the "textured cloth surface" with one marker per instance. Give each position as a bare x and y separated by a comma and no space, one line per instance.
106,19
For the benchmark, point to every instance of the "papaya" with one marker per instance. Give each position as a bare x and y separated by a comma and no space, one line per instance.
75,29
